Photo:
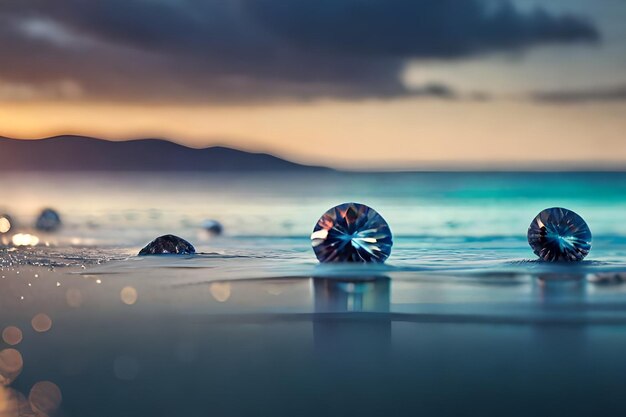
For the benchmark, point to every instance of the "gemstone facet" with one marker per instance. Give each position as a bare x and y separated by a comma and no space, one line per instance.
559,235
168,245
351,232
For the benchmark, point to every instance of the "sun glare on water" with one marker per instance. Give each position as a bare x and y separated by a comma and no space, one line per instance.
25,239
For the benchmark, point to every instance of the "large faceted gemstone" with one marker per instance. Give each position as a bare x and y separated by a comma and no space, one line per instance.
351,232
559,235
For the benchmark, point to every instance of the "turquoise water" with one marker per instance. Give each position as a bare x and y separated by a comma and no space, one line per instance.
127,209
462,320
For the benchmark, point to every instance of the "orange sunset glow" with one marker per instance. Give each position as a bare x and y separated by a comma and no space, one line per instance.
522,100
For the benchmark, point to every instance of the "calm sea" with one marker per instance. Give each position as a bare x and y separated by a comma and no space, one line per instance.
461,321
440,218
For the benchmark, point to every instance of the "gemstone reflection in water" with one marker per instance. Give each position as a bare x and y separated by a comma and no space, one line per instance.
558,234
351,232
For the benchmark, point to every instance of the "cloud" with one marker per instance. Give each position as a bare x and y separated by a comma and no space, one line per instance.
611,94
61,90
242,50
49,31
416,29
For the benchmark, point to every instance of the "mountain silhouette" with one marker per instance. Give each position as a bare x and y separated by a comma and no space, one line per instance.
80,153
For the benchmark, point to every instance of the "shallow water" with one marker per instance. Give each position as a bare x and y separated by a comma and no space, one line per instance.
462,320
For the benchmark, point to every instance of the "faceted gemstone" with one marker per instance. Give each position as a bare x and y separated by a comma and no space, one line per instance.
351,232
48,221
559,235
168,245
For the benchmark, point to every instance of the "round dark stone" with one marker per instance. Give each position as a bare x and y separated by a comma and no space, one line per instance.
213,227
559,235
48,221
168,245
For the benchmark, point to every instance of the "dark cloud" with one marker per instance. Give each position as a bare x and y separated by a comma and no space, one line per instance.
612,94
418,28
207,50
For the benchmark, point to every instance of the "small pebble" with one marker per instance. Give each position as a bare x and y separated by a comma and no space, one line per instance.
48,221
213,227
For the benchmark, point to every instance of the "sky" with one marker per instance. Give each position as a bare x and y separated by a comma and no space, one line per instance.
394,84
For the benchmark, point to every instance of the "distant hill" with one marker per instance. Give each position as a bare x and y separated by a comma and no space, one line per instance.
79,153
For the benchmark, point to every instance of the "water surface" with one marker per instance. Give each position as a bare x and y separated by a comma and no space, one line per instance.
462,320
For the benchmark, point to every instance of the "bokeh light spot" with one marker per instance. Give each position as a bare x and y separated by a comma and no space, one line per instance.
11,364
13,403
24,239
45,398
128,295
220,291
12,335
41,323
5,224
74,297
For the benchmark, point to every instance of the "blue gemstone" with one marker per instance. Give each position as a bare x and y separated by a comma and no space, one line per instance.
351,232
48,221
213,227
559,235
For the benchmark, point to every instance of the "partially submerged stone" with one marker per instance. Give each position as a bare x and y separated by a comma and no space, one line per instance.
352,232
559,235
48,221
213,227
168,245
